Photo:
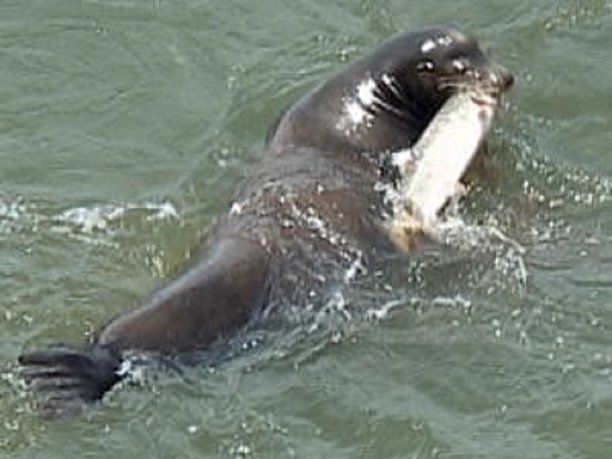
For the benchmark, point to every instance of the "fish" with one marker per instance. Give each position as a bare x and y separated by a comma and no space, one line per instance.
431,170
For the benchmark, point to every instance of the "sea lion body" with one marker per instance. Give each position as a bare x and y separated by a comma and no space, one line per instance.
305,214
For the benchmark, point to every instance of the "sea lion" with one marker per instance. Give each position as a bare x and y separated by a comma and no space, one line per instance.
306,215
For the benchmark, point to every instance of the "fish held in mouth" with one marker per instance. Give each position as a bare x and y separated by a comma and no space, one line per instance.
432,169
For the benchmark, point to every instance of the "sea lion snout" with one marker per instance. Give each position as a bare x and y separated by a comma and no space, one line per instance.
492,79
501,77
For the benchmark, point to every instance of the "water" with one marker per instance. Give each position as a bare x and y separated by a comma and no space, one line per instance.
124,126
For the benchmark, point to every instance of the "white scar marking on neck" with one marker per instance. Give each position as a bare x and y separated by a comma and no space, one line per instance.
365,92
356,113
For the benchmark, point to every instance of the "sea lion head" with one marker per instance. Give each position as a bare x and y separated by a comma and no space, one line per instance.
385,100
447,61
415,73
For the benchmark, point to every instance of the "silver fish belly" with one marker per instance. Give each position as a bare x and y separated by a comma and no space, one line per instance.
438,160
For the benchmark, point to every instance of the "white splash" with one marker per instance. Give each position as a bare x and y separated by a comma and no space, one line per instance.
163,211
354,269
236,208
90,219
98,218
383,311
405,160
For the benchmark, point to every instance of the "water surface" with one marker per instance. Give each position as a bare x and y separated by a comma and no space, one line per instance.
124,126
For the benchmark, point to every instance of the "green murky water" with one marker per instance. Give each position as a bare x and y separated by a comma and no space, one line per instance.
124,125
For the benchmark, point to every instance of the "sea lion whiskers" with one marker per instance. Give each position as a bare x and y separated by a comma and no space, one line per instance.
375,95
389,97
390,82
489,90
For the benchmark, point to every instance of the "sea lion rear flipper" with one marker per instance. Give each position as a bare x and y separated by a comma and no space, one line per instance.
68,377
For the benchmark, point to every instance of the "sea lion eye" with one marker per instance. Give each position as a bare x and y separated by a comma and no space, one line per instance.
425,66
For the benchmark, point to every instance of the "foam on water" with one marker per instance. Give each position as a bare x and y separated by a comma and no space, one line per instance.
11,213
99,218
90,224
